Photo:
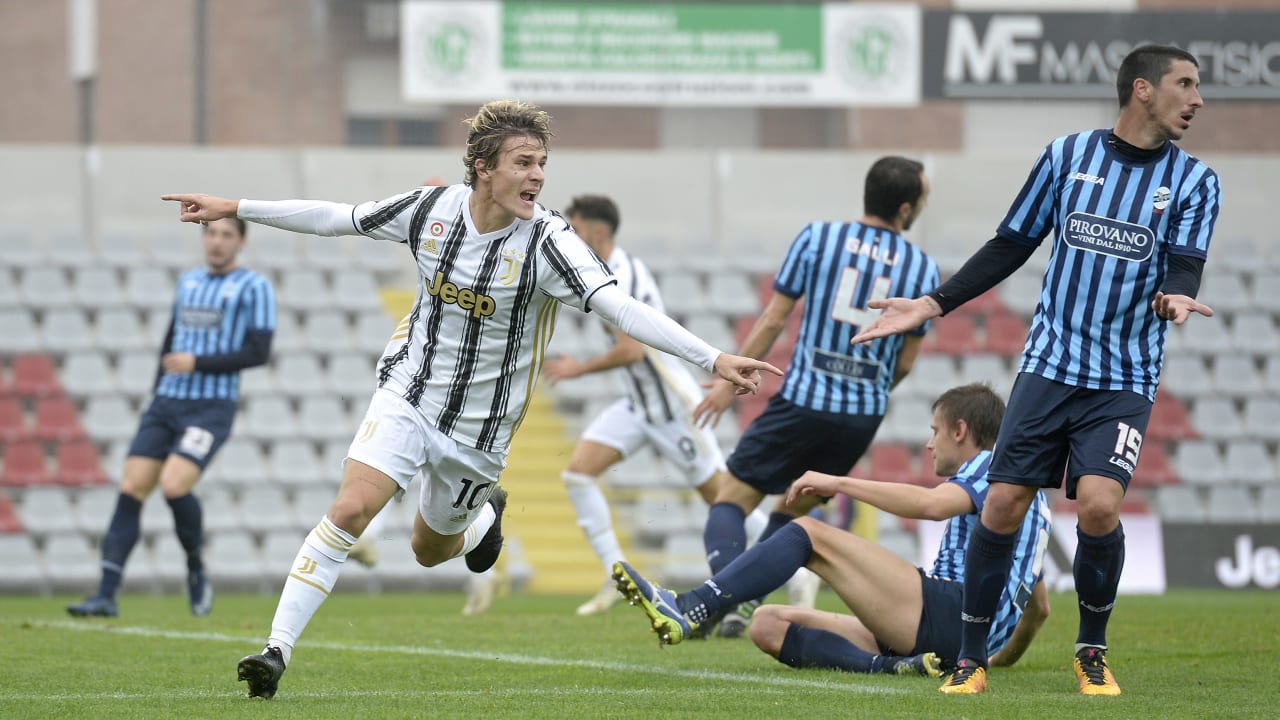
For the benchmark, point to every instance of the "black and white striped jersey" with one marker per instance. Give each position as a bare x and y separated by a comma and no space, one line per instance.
469,352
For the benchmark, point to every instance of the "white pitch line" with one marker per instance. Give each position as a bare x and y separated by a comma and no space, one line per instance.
511,658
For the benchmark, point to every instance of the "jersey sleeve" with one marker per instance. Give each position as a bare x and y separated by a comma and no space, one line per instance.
569,271
1191,231
260,306
790,280
1031,217
387,219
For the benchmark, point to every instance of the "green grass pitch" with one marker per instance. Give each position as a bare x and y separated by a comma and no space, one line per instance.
1185,655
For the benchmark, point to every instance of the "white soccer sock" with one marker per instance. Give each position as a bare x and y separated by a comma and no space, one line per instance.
593,517
474,533
311,578
755,524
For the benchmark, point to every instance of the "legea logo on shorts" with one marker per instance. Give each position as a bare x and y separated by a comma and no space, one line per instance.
465,298
1094,233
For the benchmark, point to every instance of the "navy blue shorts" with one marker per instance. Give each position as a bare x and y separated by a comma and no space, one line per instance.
194,429
787,440
1051,431
940,626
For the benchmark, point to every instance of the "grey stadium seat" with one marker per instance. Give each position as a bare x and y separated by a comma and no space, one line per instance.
1216,418
235,562
120,330
1198,463
97,288
18,332
1248,461
1231,504
328,332
356,290
270,418
87,374
1180,503
323,418
293,463
70,563
109,417
1255,332
23,570
48,511
66,330
45,288
1262,418
149,288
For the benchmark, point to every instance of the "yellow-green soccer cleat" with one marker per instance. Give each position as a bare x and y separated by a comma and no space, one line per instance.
925,664
970,678
657,602
1094,675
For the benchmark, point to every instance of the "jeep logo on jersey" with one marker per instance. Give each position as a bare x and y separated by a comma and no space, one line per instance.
1094,233
465,298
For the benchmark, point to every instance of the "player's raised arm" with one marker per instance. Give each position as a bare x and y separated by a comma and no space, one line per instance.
201,208
900,315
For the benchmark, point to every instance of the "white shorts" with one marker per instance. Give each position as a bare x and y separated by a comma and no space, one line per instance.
396,440
692,449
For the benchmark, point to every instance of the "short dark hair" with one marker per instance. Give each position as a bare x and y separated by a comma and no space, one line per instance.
891,181
241,225
595,207
1149,62
978,406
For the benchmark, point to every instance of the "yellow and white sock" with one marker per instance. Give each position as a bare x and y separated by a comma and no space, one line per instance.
311,578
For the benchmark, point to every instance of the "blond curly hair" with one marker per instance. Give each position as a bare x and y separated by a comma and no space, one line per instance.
496,121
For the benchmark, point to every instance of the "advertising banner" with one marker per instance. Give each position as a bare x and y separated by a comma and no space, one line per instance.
1067,55
1223,556
691,54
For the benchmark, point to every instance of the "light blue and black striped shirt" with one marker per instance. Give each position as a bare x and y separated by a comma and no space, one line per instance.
1115,222
213,318
1028,552
838,268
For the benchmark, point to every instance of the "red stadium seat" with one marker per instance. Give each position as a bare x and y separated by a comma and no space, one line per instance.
1006,334
892,462
57,419
24,464
1154,468
35,376
9,520
13,423
1169,420
79,464
987,303
952,335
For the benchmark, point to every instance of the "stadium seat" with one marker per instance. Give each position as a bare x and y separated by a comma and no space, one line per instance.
931,376
1180,503
264,508
66,330
1198,463
280,548
13,419
682,293
302,289
907,422
1269,503
270,418
309,505
1262,418
120,330
57,419
10,522
373,331
300,375
47,511
71,564
1271,376
323,418
892,462
166,559
149,288
1006,334
324,253
18,332
352,376
1236,375
1216,418
985,367
952,335
221,511
1153,468
79,464
1020,292
9,297
45,288
234,561
293,463
1185,375
1248,461
87,374
94,508
25,463
136,372
239,463
273,249
1231,504
328,332
97,288
714,330
109,418
1169,419
34,376
1263,297
356,290
19,249
1255,333
730,293
23,570
1224,290
157,516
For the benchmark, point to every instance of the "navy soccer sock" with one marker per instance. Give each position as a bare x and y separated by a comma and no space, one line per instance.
122,535
759,571
725,536
188,522
1098,563
776,521
986,570
805,647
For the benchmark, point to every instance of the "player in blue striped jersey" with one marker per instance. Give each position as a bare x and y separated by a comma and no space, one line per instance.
223,320
833,396
1132,215
905,620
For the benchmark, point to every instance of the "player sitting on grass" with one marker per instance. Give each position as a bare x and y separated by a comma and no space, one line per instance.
905,620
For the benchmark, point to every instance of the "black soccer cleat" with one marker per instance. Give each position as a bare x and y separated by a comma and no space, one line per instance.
94,606
485,554
262,672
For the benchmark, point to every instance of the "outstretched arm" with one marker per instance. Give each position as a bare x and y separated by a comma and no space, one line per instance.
1033,617
662,333
312,217
900,315
908,501
764,333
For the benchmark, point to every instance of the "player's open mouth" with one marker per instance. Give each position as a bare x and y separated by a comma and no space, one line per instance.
528,196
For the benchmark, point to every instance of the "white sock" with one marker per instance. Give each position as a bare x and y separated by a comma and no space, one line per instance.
474,533
593,517
311,578
755,524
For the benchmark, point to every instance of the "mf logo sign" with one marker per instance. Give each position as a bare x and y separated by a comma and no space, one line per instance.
1009,41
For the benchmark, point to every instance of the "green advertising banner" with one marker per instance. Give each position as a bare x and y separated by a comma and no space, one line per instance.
661,53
